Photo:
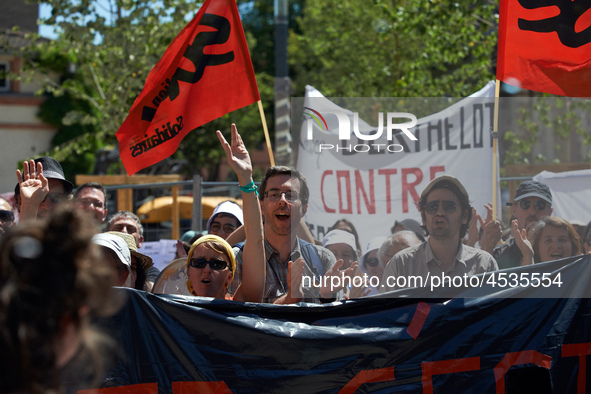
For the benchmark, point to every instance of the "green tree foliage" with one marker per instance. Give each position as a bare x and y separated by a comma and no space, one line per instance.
421,48
539,115
396,48
259,21
347,48
113,45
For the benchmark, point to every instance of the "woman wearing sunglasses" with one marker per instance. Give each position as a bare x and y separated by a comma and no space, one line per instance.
210,263
371,268
553,238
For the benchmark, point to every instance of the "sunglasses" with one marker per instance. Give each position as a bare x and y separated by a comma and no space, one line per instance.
6,216
228,228
216,264
55,198
539,204
275,195
448,206
371,262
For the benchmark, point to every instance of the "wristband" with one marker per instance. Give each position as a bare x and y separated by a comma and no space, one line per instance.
251,187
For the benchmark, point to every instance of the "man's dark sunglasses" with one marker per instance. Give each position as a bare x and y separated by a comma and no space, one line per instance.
448,206
228,228
6,216
539,204
216,264
55,198
371,262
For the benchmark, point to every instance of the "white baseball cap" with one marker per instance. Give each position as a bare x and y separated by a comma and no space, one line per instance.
230,208
339,237
116,244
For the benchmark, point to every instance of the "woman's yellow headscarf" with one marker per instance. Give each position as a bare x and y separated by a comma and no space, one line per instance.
219,242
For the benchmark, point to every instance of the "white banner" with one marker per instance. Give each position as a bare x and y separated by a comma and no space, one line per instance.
162,252
571,193
377,181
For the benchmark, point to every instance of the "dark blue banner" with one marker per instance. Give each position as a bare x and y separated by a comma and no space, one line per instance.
175,344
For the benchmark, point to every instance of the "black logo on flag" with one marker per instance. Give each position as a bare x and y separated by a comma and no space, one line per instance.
200,60
159,137
563,23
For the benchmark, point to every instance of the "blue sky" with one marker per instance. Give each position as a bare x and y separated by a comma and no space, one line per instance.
44,30
102,8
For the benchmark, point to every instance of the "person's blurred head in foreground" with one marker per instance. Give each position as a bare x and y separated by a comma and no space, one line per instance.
51,286
210,267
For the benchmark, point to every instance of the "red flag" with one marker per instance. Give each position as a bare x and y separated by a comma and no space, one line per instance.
205,73
545,45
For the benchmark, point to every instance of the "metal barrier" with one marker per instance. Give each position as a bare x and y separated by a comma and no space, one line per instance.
130,193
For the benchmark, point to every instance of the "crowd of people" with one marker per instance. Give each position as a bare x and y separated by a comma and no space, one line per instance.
258,253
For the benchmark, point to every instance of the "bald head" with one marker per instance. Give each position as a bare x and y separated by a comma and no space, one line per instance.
5,205
395,243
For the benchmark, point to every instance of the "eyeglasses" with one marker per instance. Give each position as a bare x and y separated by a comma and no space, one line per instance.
55,198
448,206
216,264
275,195
371,262
539,204
228,228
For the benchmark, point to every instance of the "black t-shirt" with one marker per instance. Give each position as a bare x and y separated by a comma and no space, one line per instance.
508,254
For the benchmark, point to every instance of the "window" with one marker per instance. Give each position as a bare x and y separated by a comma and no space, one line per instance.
4,82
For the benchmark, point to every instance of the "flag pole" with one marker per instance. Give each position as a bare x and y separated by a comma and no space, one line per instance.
262,112
495,135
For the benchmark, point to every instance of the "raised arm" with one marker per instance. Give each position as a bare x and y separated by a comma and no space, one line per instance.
523,243
33,189
237,236
253,253
492,230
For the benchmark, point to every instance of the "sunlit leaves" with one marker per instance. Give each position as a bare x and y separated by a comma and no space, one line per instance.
394,48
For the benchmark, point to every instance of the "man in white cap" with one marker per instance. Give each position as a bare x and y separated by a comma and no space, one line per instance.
342,244
226,217
446,211
117,255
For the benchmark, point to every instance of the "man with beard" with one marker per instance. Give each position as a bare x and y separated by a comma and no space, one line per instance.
446,211
532,203
284,198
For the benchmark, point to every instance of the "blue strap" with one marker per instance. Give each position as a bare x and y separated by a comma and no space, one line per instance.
311,256
309,253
